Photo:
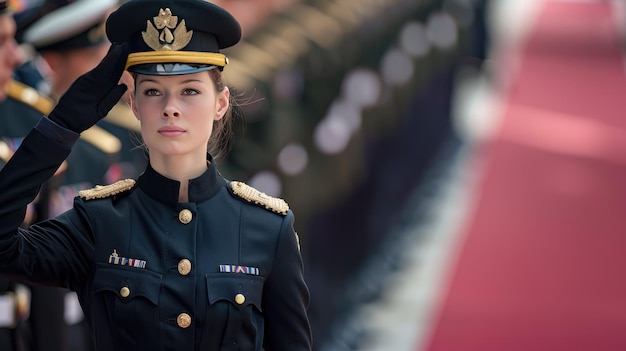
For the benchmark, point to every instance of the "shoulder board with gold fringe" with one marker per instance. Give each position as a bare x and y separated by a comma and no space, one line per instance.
122,115
96,136
30,96
254,196
104,191
103,140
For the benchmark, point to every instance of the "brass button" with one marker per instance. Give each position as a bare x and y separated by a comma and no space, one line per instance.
125,292
183,320
184,266
185,216
240,299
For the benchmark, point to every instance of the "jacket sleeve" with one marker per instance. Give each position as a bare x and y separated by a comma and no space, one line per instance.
35,161
286,296
32,254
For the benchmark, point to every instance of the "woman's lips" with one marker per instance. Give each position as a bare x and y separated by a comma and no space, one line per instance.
171,131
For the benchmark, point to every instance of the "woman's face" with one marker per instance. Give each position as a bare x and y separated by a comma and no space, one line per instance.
177,112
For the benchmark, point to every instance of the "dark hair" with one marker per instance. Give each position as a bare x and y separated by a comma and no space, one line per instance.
221,137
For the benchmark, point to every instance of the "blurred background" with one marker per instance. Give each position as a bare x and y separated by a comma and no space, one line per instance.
348,113
455,166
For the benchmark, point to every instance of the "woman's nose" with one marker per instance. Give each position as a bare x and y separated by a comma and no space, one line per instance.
167,113
170,109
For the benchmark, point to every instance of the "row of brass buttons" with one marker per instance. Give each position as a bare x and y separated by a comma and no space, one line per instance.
184,268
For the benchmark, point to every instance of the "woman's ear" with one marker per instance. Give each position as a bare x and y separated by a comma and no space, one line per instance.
128,80
133,106
223,103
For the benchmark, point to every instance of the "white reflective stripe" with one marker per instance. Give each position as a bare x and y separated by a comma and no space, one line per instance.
7,310
73,313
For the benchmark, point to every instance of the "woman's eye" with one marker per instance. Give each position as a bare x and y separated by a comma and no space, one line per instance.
190,92
151,92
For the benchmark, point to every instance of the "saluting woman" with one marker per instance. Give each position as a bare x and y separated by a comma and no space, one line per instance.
181,258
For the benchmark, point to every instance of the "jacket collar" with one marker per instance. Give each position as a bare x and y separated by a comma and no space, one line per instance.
165,190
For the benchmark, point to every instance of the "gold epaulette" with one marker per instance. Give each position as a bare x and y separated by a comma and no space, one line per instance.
103,140
96,136
252,195
122,115
104,191
30,96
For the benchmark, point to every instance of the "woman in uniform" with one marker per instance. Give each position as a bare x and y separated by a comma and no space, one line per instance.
181,258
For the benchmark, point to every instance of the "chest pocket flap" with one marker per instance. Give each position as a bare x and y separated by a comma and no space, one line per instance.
128,284
241,290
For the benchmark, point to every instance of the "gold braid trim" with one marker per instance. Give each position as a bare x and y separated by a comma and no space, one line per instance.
103,140
30,96
252,195
209,58
121,115
104,191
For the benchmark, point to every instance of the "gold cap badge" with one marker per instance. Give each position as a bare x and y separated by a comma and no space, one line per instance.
161,38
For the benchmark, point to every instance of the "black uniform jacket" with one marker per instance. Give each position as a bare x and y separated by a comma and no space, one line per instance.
216,273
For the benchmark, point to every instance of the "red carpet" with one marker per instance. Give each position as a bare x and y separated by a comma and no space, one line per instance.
543,266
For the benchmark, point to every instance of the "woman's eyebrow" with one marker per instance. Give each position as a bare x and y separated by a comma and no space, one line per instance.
145,80
183,82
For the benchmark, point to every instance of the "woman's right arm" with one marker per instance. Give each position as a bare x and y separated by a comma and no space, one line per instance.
43,150
35,161
51,252
88,100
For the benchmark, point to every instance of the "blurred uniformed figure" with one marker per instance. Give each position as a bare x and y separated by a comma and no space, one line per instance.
68,40
71,41
180,258
11,57
21,110
11,317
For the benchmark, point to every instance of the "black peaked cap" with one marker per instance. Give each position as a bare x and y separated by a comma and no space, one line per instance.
213,27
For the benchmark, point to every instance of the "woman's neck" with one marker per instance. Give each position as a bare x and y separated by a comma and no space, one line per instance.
181,169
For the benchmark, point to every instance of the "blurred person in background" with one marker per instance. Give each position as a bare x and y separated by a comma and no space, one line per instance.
68,39
235,248
11,56
11,315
